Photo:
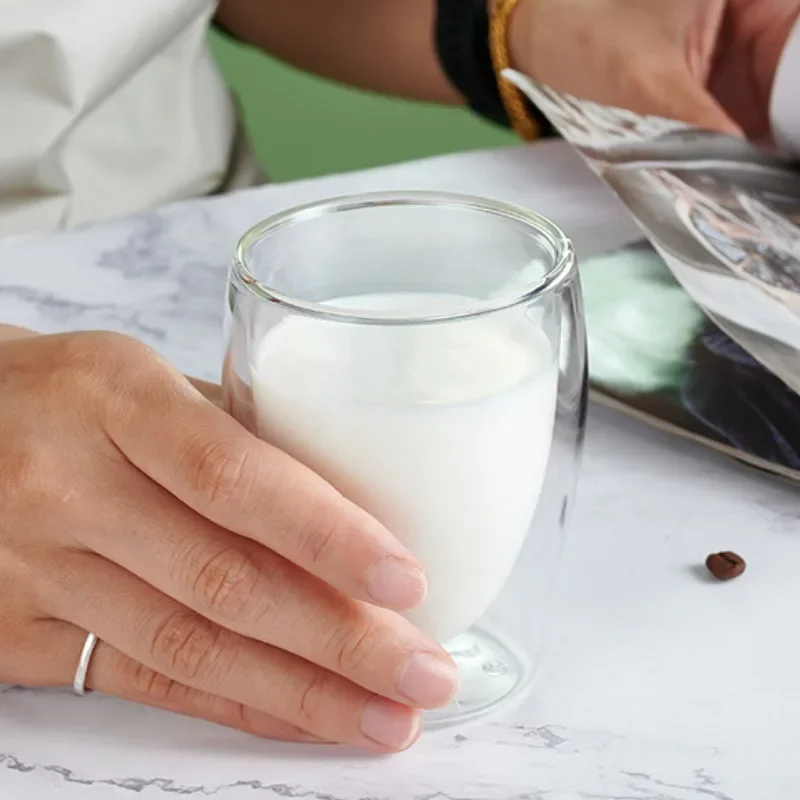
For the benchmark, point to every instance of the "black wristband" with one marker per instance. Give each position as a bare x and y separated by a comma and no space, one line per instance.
462,42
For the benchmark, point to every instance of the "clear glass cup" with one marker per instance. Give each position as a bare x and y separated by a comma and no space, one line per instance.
425,353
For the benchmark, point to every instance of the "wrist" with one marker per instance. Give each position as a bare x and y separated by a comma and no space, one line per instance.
519,34
530,36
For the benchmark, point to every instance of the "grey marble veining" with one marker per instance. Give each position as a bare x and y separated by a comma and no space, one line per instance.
660,685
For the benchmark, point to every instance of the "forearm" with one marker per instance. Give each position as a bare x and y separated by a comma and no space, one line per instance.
381,45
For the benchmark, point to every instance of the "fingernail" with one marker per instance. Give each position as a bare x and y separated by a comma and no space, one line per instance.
389,724
428,681
397,584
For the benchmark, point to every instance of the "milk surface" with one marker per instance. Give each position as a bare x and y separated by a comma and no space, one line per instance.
442,432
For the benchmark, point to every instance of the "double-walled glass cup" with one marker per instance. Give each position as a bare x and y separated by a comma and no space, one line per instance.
425,353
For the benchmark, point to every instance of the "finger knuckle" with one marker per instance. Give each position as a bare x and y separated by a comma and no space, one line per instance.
234,715
112,347
91,369
64,365
229,584
313,699
93,356
351,646
222,471
188,648
320,537
31,482
23,468
150,684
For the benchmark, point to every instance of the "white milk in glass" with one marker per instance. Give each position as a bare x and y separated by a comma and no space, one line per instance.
440,431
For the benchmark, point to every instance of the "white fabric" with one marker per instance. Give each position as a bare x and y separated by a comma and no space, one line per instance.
785,104
107,107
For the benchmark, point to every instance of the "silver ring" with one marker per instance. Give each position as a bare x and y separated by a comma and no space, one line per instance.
79,682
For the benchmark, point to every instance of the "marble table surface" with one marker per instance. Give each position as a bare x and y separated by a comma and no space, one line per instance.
660,684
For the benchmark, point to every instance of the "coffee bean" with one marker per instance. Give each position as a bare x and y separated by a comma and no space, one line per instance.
725,566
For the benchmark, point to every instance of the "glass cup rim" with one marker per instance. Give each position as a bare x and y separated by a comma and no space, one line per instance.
560,271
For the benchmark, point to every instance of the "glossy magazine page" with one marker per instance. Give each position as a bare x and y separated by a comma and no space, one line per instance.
655,353
697,328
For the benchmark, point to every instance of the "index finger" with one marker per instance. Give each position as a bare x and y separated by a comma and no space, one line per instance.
208,461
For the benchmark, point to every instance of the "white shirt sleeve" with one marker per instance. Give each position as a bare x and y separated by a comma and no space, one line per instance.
785,103
107,108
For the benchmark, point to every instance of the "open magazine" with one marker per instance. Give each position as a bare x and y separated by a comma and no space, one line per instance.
697,327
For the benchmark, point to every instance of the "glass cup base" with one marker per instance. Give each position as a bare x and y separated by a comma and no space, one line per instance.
493,674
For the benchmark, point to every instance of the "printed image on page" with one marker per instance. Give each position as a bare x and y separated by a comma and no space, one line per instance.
723,214
655,354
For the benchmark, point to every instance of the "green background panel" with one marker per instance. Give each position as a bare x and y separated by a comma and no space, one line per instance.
302,126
